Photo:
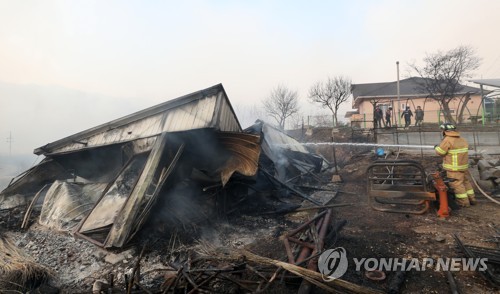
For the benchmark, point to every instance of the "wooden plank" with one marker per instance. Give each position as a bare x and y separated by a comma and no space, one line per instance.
161,181
126,217
312,276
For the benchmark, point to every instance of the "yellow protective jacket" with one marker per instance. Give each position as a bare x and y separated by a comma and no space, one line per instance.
455,151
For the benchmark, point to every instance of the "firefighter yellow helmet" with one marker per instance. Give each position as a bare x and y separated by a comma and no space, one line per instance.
447,127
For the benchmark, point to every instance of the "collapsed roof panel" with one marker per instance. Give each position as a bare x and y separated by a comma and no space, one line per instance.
208,108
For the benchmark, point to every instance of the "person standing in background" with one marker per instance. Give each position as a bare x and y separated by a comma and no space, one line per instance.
419,116
379,115
388,114
407,115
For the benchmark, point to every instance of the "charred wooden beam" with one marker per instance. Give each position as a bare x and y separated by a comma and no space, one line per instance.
290,188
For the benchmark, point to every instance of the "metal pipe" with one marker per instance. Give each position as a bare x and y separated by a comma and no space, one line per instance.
420,135
482,102
306,224
301,243
305,286
306,251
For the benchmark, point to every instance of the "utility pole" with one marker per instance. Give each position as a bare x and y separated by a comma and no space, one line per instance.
482,101
399,103
9,140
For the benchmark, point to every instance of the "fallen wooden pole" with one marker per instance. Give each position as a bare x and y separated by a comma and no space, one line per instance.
311,276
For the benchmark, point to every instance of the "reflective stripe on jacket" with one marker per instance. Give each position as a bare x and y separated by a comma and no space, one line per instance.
455,151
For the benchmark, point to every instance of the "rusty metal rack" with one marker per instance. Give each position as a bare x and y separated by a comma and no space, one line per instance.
399,186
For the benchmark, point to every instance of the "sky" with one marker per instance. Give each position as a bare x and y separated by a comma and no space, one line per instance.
66,66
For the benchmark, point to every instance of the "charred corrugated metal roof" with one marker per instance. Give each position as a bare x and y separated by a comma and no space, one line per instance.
208,108
133,161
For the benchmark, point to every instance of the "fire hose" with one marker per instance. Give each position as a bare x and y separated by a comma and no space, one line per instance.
481,190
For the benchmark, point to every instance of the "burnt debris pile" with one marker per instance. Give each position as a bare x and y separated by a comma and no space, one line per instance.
167,179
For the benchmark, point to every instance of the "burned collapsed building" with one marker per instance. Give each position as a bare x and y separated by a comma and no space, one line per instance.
105,183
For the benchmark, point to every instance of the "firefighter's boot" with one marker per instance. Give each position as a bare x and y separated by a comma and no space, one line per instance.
463,202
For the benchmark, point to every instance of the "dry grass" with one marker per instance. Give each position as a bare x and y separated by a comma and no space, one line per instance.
205,248
18,272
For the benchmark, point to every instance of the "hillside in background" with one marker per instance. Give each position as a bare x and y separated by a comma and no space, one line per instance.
11,166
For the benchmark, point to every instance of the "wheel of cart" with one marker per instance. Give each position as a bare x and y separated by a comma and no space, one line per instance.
399,186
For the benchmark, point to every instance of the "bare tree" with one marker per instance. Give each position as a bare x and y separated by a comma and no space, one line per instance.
443,74
281,104
331,94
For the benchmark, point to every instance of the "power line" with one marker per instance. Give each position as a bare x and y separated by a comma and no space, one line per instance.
10,140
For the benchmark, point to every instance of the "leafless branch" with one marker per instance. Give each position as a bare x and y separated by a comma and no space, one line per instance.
281,104
331,94
443,73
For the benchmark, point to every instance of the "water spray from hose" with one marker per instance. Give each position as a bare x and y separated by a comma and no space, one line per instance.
361,145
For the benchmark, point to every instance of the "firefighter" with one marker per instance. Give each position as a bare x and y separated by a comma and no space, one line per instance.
455,152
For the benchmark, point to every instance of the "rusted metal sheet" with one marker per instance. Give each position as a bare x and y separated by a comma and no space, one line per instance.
398,186
208,108
245,151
